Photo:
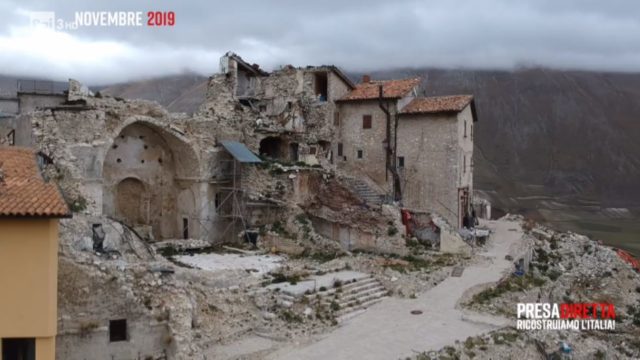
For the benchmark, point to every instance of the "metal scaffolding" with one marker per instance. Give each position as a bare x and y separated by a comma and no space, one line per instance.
231,205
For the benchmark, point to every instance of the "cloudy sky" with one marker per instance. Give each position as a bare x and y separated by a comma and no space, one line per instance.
356,35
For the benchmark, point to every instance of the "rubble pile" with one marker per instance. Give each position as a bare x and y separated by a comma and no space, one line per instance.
510,343
566,268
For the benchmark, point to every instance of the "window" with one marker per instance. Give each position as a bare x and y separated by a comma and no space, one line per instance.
312,150
400,161
16,348
464,164
366,121
339,149
360,154
321,85
11,138
185,228
465,129
118,330
336,118
471,129
218,200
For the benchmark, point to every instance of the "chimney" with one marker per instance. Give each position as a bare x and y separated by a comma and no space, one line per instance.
366,79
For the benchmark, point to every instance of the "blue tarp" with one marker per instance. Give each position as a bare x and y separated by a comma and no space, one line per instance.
240,152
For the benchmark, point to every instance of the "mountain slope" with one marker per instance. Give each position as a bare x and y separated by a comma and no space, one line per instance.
178,93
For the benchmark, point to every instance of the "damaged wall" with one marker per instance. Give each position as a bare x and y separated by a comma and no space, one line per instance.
142,180
99,143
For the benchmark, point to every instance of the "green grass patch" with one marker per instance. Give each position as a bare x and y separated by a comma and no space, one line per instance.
511,284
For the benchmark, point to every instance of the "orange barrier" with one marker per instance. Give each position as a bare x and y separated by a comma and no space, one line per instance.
625,256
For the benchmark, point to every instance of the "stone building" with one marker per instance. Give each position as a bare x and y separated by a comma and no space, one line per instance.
416,150
435,155
168,176
367,127
300,156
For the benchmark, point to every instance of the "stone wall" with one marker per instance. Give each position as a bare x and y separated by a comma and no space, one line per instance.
430,147
370,141
99,143
465,138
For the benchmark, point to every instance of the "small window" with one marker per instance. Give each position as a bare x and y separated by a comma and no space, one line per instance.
465,129
185,228
401,161
471,129
360,154
464,164
336,118
218,200
118,330
18,348
11,138
339,149
366,121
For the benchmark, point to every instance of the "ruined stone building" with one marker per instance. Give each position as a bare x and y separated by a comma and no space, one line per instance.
169,176
299,159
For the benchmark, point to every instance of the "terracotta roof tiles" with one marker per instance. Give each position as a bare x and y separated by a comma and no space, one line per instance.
437,104
392,89
23,191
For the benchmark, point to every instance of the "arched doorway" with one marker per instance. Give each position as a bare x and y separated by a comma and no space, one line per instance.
131,201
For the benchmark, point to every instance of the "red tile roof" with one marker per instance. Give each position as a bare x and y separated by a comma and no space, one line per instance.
23,192
437,104
392,89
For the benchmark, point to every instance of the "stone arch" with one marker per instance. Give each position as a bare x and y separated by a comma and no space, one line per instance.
179,144
158,164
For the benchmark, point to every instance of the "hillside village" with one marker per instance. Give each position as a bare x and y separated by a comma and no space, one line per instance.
295,211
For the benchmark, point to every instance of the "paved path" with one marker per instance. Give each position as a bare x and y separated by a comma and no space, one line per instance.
388,331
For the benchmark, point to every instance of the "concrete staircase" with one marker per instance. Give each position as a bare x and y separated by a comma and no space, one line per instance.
364,191
349,300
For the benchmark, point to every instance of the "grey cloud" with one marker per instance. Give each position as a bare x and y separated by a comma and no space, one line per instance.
368,35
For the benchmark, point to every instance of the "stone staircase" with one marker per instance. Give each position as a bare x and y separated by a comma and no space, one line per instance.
342,294
351,299
364,191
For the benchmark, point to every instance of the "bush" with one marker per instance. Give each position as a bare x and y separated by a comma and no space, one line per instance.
78,205
302,219
554,275
513,283
278,228
335,306
290,317
280,278
324,257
